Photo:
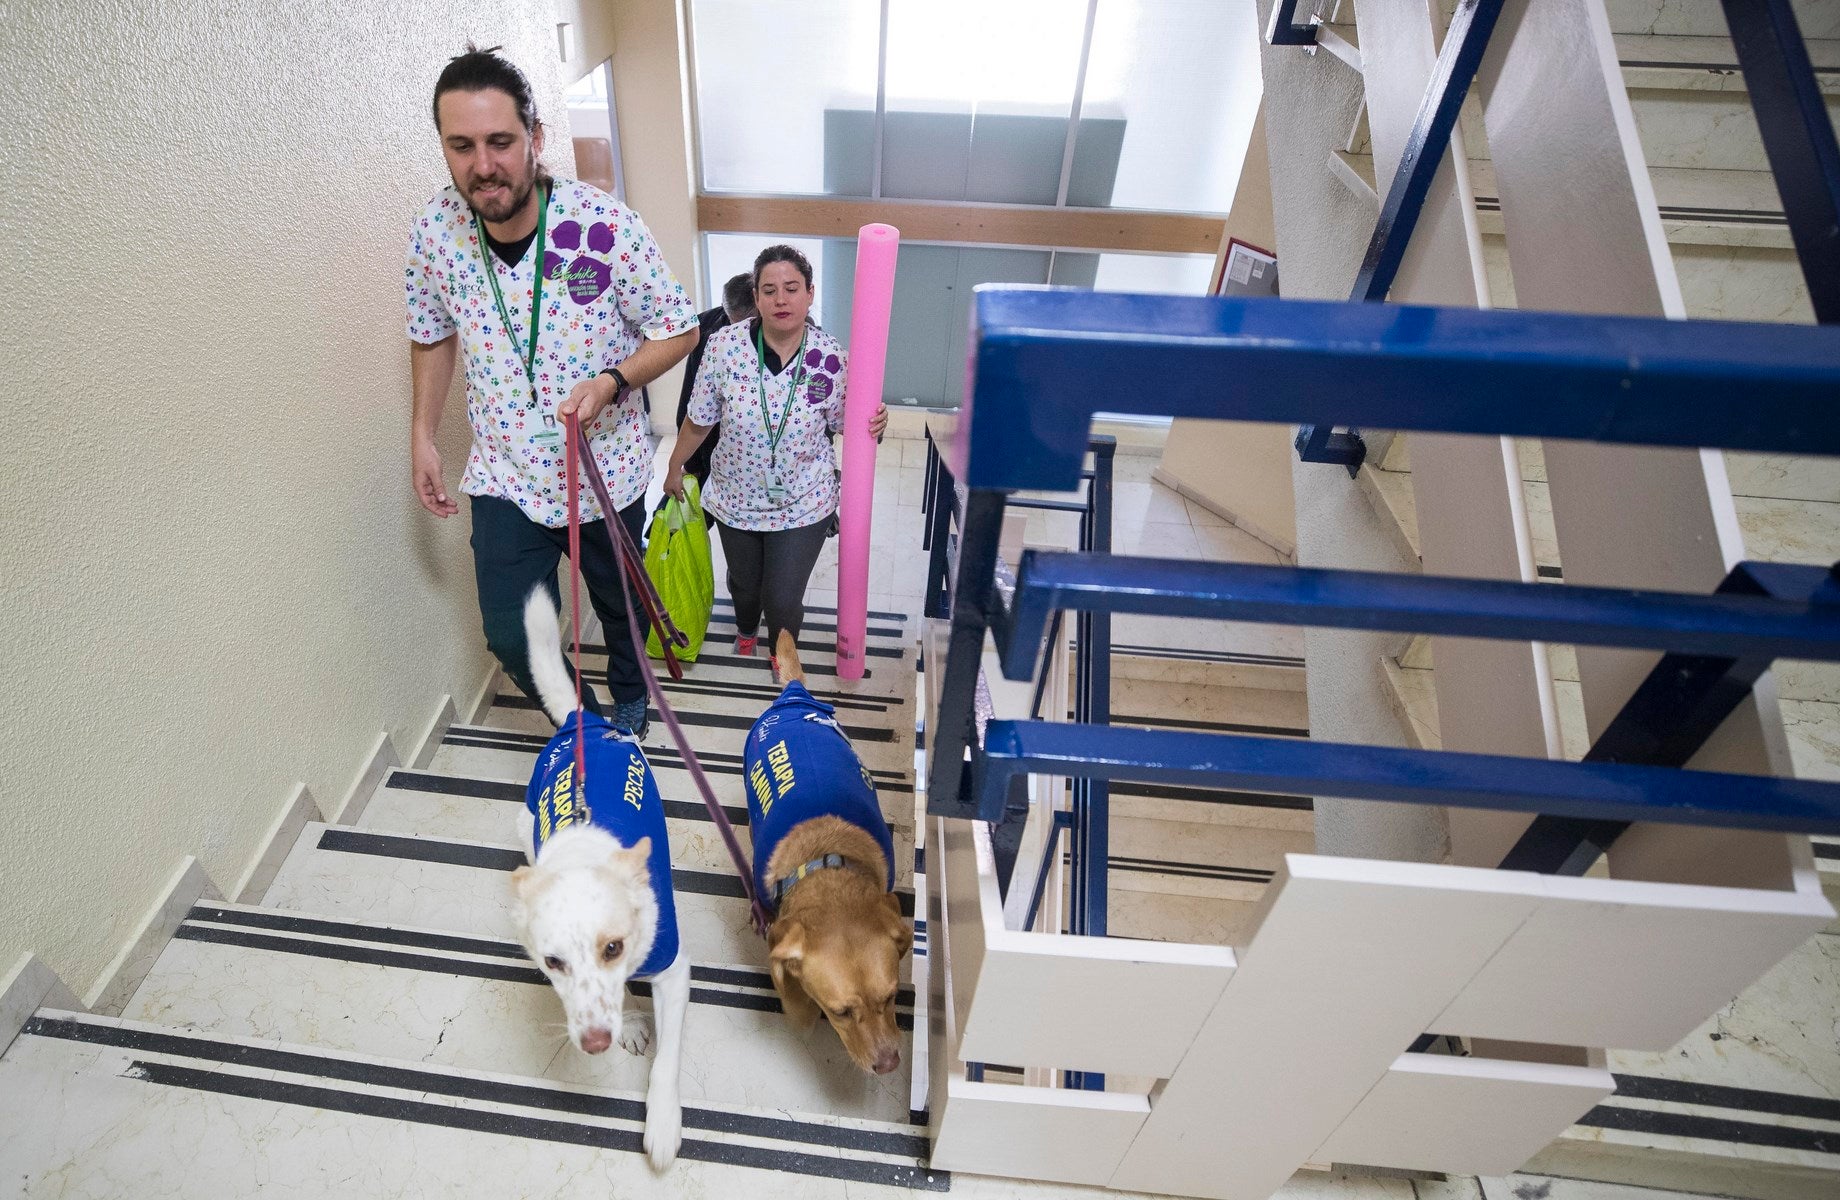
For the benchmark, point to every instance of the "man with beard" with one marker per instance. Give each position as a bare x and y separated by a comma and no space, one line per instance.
558,298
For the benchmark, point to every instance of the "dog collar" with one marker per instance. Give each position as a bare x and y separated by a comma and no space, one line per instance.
817,864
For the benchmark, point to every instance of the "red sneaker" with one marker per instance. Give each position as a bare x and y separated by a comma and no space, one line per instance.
744,646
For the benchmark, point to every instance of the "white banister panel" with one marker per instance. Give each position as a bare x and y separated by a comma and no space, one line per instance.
1633,965
1464,1116
1351,961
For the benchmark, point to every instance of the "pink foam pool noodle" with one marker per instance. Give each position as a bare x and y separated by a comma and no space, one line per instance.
876,247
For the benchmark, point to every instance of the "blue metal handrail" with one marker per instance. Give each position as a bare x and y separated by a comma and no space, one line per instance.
1634,380
1465,42
1285,31
1292,766
1088,821
1629,380
1798,137
1792,616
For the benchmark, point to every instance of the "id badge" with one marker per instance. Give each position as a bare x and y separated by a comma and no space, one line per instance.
549,437
776,492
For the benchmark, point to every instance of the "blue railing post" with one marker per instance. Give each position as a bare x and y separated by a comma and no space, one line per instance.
1798,137
1285,31
973,596
1465,41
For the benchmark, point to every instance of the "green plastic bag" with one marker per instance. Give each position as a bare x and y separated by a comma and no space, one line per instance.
677,559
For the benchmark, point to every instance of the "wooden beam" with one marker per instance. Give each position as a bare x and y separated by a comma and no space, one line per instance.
977,224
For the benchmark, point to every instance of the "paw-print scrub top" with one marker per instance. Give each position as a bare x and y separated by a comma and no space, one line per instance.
606,289
775,467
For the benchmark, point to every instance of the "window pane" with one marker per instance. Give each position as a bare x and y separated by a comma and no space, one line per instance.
767,74
1171,274
978,97
1183,78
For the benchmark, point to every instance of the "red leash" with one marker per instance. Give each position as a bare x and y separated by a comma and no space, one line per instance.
633,578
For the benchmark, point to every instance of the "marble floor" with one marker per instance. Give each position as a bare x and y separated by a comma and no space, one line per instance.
370,1029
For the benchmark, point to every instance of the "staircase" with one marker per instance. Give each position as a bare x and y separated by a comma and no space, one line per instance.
371,1026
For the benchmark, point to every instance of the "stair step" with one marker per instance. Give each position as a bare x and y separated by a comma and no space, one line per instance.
1699,206
424,996
100,1106
464,887
1745,1105
486,810
1816,18
1167,704
1677,62
1197,920
1188,858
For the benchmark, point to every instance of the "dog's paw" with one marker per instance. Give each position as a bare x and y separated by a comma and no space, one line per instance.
636,1034
664,1130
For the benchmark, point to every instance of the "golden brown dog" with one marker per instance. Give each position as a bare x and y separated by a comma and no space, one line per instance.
838,937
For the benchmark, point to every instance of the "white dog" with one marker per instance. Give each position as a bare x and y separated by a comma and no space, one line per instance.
595,907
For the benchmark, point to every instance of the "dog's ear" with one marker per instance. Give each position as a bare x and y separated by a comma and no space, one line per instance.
520,882
786,944
640,854
899,927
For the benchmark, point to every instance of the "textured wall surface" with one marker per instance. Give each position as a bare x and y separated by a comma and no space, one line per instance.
214,579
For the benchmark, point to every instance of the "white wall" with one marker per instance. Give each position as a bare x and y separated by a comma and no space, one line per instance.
215,581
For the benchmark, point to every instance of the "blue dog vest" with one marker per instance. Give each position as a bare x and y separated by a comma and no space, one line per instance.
799,765
626,804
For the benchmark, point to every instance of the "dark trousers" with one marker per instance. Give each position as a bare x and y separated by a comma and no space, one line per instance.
512,554
769,571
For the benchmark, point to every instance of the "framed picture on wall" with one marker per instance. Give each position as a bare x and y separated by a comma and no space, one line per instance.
1247,270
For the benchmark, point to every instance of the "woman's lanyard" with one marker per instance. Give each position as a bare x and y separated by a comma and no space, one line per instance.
776,487
550,436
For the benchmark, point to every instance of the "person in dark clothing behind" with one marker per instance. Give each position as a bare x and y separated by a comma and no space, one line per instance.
737,306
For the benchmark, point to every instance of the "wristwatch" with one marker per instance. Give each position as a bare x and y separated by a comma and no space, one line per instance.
620,386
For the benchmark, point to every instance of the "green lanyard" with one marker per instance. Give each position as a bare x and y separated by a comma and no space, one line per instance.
536,292
792,393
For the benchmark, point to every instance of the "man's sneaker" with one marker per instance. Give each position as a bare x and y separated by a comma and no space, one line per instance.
630,715
744,646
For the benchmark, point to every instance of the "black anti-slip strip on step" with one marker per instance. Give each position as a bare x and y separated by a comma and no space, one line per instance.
759,661
1151,866
765,692
723,622
1155,866
1828,850
1714,1095
1210,726
1237,657
726,606
500,858
451,785
857,733
322,927
513,739
535,1128
1714,1129
525,1095
1157,791
375,956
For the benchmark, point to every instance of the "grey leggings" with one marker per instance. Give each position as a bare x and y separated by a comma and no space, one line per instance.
770,571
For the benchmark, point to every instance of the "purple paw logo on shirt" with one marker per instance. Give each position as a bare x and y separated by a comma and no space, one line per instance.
824,368
585,278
